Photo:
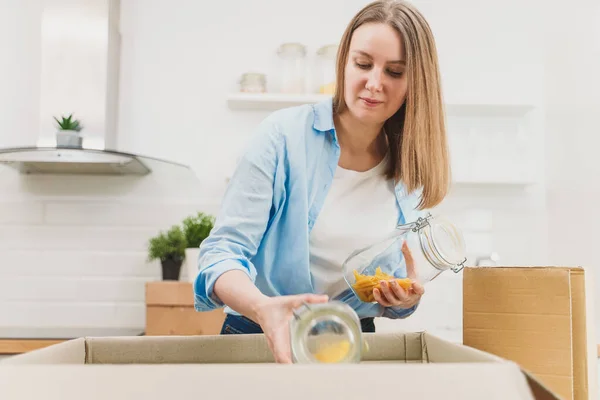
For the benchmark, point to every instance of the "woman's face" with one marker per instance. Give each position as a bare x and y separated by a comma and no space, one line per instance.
375,80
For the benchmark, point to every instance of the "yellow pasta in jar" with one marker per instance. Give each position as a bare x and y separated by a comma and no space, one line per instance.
365,284
333,353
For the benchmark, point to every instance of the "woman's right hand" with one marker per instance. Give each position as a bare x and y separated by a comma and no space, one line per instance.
273,314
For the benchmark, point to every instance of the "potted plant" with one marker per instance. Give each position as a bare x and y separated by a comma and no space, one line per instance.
68,132
196,228
169,248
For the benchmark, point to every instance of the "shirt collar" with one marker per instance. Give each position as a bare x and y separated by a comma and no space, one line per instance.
323,112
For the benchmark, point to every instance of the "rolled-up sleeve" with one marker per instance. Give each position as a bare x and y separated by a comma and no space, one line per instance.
243,217
398,312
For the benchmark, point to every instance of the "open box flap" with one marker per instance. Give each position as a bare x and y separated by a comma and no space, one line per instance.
441,351
490,381
69,352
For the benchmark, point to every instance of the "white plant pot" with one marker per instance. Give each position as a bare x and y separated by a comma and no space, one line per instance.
70,139
191,263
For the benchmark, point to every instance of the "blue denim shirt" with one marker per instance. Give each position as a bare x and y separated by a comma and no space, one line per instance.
271,204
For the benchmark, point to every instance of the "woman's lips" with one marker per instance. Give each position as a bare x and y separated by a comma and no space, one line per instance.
370,102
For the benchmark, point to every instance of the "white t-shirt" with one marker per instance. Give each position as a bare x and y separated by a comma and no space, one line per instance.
359,209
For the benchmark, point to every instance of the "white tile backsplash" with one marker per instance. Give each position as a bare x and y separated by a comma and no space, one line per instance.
72,289
77,237
114,213
74,315
73,249
21,213
80,263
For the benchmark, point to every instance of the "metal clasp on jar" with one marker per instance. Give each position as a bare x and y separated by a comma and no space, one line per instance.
422,222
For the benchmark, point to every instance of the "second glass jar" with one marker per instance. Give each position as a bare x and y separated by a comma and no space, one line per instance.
435,245
292,68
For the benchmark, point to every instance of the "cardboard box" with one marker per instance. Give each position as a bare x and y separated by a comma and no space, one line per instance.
536,317
398,365
170,311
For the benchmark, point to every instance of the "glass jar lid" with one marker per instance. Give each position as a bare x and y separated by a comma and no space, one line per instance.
292,49
328,51
441,242
253,77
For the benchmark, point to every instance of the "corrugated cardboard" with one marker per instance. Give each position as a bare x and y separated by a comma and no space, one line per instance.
170,311
536,317
169,293
402,365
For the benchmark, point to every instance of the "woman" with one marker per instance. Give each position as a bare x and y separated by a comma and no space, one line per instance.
319,181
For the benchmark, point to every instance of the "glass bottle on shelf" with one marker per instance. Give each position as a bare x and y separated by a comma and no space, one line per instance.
253,82
326,69
292,69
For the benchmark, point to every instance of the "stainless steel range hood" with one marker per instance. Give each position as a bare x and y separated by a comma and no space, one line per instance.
79,61
50,160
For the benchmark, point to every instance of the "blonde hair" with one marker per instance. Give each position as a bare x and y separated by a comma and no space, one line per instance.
416,133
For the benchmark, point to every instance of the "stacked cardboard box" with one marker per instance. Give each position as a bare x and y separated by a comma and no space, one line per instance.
538,317
170,311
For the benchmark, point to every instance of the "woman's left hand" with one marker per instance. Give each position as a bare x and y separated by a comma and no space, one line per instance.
393,295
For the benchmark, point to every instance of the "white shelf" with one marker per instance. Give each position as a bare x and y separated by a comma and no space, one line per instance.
271,101
493,182
275,101
488,110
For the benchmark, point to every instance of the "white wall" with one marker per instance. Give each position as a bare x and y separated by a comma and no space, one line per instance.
74,41
572,88
178,63
20,29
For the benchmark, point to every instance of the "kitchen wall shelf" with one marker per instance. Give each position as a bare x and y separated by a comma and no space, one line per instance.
488,110
492,182
271,101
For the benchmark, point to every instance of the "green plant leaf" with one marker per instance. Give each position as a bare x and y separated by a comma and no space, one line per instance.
167,245
197,228
68,123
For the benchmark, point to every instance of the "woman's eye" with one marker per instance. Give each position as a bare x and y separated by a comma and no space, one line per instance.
362,66
395,74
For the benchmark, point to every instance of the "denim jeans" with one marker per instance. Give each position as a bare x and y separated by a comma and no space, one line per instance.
235,325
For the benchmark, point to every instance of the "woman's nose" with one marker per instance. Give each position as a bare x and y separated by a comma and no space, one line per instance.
374,81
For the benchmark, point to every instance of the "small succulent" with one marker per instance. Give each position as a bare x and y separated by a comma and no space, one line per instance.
68,124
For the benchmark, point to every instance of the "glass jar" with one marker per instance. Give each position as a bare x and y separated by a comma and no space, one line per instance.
326,69
292,68
326,333
253,82
435,245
